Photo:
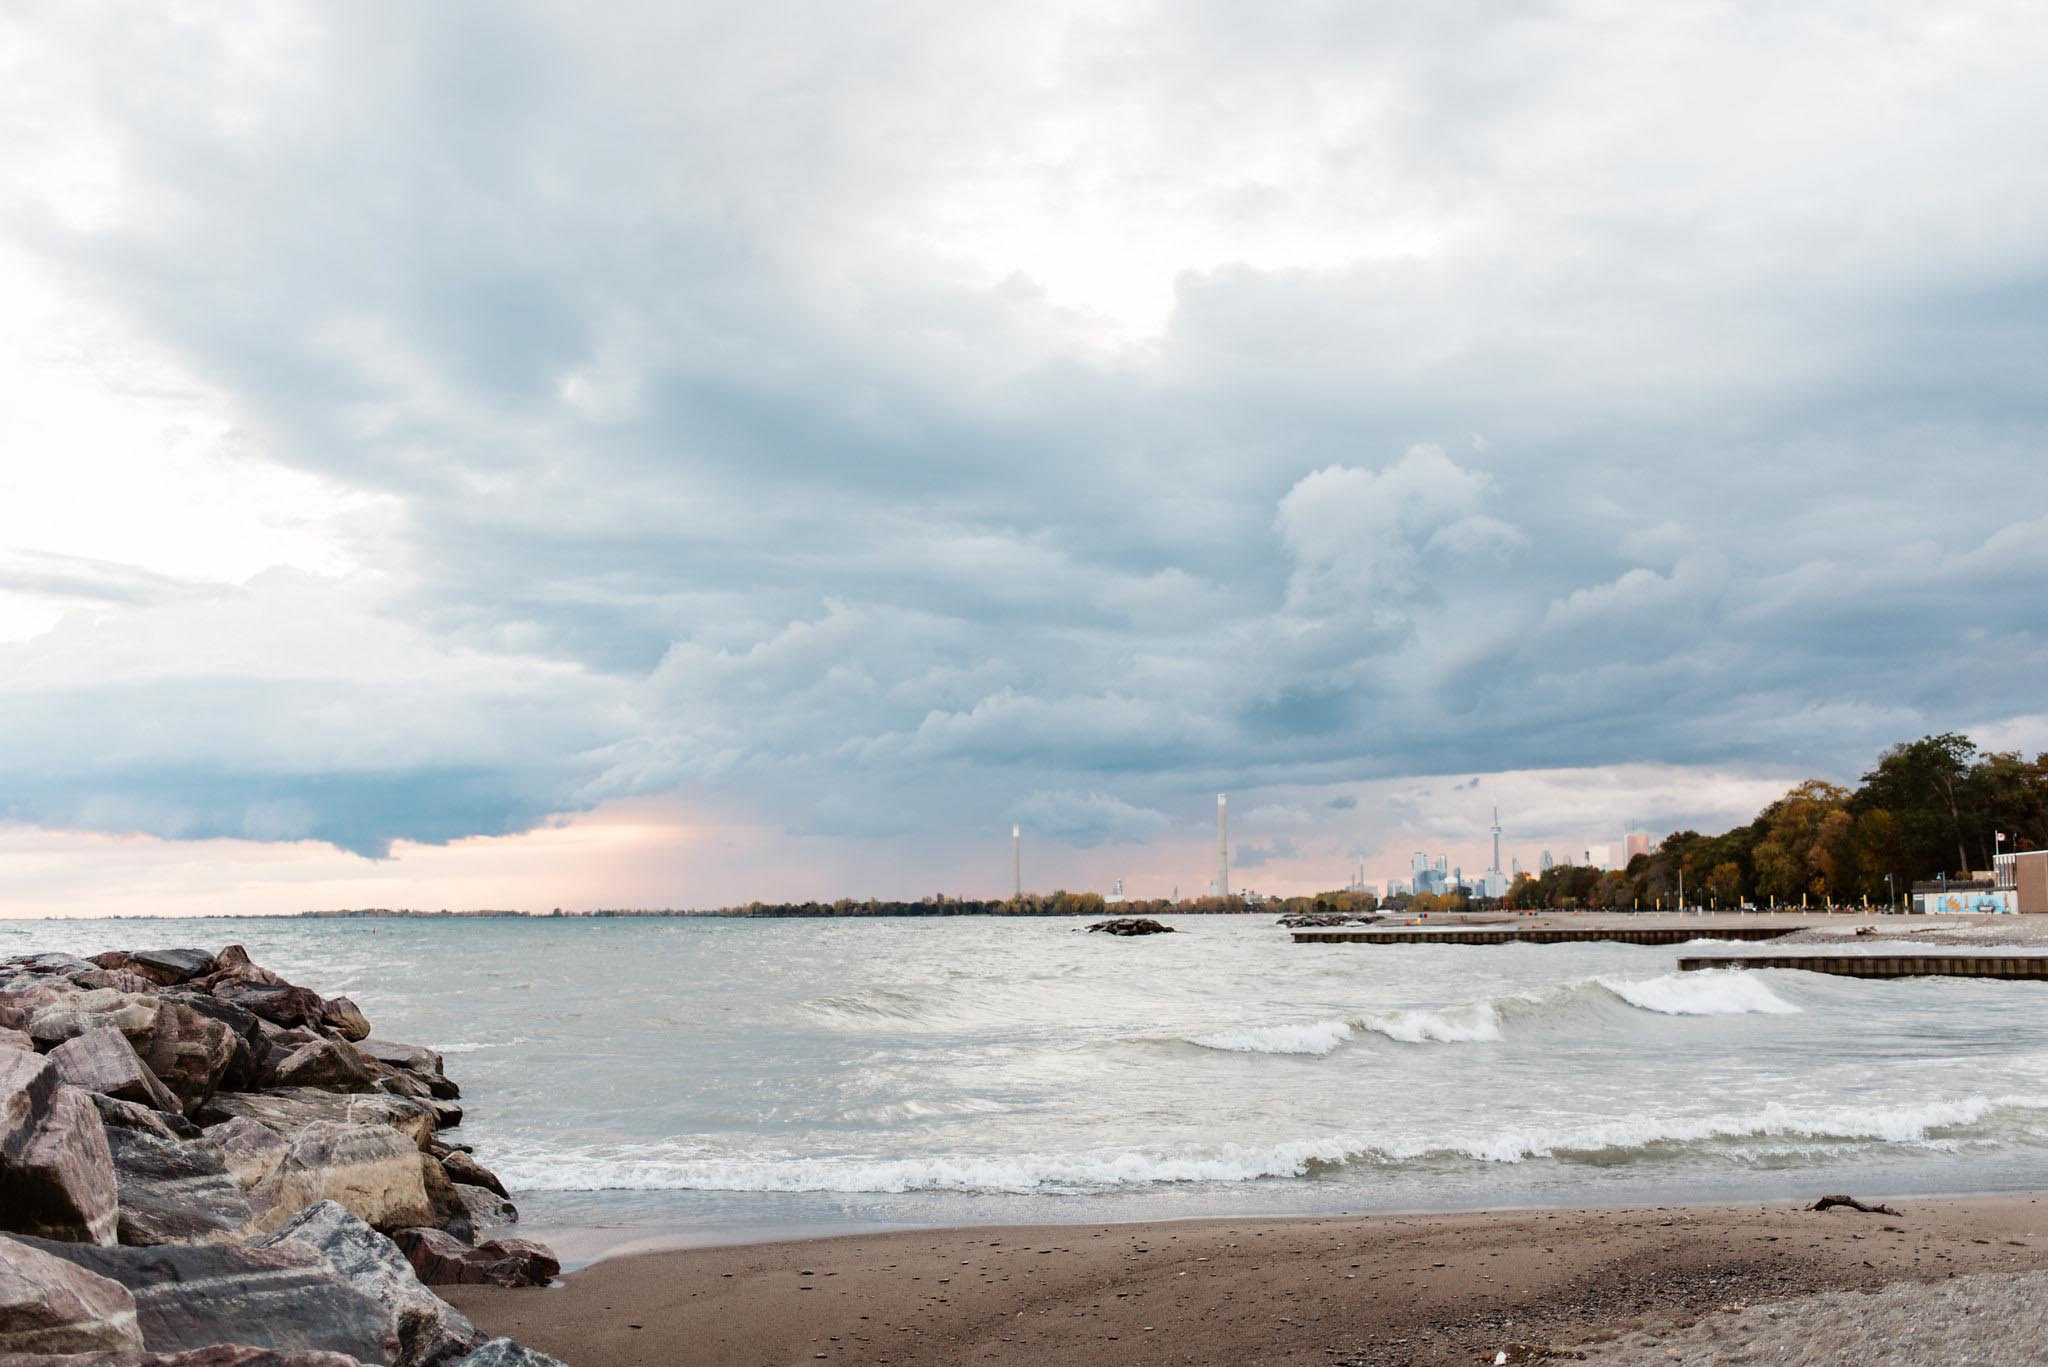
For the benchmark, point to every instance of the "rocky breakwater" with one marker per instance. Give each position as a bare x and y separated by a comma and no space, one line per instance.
201,1163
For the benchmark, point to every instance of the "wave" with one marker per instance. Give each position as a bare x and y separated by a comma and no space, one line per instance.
674,1166
1674,994
871,1004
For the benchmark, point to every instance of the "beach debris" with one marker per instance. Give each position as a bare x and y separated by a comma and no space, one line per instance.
1830,1202
1132,925
1518,1354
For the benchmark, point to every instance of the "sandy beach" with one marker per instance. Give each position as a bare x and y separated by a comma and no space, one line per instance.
1383,1289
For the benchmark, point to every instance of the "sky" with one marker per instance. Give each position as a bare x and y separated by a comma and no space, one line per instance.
670,455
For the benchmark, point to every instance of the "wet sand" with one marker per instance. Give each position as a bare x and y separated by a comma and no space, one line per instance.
1341,1291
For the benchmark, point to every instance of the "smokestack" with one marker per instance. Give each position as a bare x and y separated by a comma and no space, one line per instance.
1016,862
1222,846
1496,840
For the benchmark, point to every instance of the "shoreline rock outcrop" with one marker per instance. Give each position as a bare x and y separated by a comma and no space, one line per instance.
204,1164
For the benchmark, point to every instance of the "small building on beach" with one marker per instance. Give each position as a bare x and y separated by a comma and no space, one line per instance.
1959,895
2024,876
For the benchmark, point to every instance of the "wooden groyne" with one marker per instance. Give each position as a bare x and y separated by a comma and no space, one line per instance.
1541,935
2014,966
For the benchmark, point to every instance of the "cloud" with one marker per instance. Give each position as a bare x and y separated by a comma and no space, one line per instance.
857,430
1086,819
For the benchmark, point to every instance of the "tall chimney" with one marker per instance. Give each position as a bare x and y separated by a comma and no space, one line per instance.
1016,862
1222,846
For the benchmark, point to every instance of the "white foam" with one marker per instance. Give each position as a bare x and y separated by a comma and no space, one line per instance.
1701,994
1473,1023
1315,1037
674,1165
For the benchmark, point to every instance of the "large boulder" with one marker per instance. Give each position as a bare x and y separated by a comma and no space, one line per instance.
416,1061
278,1003
287,1298
120,979
331,1065
48,1305
174,1192
429,1329
11,1038
186,1050
157,967
482,1210
251,1150
462,1168
126,1115
56,1174
103,1061
440,1259
346,1019
371,1171
189,1051
292,1109
102,1008
52,962
506,1353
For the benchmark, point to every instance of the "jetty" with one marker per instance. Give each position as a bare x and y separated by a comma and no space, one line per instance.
2012,966
1542,935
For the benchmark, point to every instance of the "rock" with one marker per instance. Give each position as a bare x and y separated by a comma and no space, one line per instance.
429,1329
11,1038
120,979
287,1298
250,1149
126,1115
52,963
423,1064
240,1074
292,1109
371,1171
281,1004
157,967
447,1115
1132,925
411,1057
101,1008
448,1210
174,1192
56,1174
442,1260
103,1061
346,1019
329,1064
213,1355
462,1168
506,1353
486,1209
189,1051
48,1305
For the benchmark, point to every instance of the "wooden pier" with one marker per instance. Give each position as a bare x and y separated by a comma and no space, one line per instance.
2012,966
1541,935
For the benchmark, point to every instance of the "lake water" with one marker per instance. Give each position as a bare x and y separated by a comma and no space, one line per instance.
719,1079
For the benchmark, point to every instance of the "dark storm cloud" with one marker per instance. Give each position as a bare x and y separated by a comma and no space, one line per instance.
1610,440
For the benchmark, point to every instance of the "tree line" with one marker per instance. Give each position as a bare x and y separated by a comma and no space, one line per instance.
1931,808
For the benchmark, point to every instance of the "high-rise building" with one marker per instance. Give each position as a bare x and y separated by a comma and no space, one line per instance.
1636,844
1546,863
1016,861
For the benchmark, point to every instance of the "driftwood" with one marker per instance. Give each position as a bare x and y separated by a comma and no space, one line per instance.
1830,1202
